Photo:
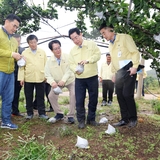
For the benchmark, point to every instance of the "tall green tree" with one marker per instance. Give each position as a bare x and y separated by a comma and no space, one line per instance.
141,21
30,20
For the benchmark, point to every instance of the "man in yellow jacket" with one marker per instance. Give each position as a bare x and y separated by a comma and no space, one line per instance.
32,76
106,79
125,61
144,76
85,53
58,74
8,55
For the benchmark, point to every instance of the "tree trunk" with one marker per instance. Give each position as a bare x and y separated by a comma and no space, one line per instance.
140,82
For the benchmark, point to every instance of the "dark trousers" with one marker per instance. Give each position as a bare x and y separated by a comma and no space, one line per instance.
28,90
81,85
47,89
125,96
136,86
107,90
15,103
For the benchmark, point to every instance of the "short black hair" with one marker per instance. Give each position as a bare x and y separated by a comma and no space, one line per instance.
104,25
107,54
16,35
71,31
12,17
31,37
52,42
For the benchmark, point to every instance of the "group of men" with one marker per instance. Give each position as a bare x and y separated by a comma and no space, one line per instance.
61,71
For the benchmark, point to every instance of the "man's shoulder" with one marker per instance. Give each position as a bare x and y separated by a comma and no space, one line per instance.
40,50
122,35
88,41
1,29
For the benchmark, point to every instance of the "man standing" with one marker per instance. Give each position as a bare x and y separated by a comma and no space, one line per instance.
125,61
140,72
106,79
8,54
17,86
85,53
58,73
32,76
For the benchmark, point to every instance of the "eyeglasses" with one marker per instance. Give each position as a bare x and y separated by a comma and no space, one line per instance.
55,49
14,25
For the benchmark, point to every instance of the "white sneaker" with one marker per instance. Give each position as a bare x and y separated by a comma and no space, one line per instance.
104,103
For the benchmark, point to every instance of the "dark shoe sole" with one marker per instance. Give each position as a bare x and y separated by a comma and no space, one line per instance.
92,124
119,125
130,125
81,127
70,122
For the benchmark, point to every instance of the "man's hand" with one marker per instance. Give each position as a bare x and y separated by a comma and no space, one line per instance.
113,79
84,62
22,83
54,85
100,79
132,71
61,83
78,72
16,56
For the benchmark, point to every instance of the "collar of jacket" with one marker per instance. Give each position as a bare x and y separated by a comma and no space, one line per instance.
9,35
84,43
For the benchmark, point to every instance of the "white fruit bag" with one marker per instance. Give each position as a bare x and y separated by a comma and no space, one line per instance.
82,143
110,129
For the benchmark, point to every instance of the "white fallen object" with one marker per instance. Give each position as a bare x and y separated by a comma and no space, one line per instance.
81,143
52,120
103,120
57,90
80,68
21,62
110,129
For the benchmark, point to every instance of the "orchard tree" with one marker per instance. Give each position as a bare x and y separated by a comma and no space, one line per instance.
30,20
139,18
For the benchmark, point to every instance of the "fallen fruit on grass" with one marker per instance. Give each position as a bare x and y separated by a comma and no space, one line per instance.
141,120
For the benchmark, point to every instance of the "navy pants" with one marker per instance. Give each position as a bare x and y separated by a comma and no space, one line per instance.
81,85
15,103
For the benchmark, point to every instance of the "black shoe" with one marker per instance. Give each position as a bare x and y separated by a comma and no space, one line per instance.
18,115
132,123
71,120
120,123
50,110
81,125
92,123
104,103
59,116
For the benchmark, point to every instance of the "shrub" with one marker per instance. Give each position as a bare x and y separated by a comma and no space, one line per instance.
156,106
